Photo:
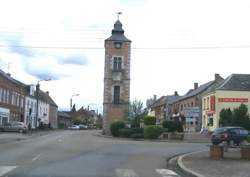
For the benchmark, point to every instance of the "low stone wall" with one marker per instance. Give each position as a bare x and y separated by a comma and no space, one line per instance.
172,136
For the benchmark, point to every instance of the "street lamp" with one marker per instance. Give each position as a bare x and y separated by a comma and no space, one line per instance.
37,96
71,100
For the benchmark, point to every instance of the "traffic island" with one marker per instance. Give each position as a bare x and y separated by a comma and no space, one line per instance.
200,164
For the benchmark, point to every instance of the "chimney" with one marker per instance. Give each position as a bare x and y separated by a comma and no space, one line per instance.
47,92
195,85
176,93
155,97
8,74
217,76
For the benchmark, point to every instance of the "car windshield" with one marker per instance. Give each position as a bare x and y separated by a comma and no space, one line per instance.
219,130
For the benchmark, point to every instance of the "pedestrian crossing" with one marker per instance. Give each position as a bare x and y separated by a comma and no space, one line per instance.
118,172
6,169
132,173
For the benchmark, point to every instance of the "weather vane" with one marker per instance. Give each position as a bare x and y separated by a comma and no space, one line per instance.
118,15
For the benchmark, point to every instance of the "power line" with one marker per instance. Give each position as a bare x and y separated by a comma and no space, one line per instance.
135,48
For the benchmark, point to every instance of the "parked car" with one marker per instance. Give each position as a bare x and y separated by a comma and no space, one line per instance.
14,127
74,127
231,135
83,127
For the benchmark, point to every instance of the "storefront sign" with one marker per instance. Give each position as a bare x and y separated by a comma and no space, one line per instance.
241,100
212,103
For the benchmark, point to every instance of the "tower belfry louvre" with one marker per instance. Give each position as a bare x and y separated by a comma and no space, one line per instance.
116,77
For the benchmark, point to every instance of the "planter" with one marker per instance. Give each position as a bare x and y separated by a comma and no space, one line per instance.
245,152
216,152
176,136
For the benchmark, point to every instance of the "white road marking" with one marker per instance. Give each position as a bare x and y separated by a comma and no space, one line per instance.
60,140
125,173
36,157
6,169
166,172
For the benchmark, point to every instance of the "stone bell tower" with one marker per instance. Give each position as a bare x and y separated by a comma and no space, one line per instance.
116,77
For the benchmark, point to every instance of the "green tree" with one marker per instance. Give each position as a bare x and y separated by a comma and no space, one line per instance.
136,113
149,120
241,116
226,117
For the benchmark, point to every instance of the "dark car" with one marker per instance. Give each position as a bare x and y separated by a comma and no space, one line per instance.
231,135
14,127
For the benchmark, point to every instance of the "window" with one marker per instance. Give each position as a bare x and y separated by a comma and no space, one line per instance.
117,63
116,94
1,92
7,96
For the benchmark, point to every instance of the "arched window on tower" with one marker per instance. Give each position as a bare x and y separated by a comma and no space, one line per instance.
116,94
117,63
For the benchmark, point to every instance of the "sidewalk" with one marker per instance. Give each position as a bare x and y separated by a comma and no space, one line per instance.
9,137
200,164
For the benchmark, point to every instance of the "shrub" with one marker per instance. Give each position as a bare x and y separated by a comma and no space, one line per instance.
61,126
248,138
173,126
138,130
152,131
115,126
149,120
125,132
137,136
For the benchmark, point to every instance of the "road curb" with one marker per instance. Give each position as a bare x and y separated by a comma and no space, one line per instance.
159,140
184,168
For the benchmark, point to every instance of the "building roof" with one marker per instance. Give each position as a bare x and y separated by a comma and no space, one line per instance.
236,82
45,97
160,101
63,114
118,33
197,91
172,98
8,77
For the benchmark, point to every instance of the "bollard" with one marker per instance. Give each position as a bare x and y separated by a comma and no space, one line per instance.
216,152
225,146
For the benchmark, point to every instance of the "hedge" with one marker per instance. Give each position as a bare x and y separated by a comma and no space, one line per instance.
152,131
149,120
138,130
172,126
125,132
115,127
137,136
248,139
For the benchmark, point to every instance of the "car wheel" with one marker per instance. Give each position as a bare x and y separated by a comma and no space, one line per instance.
20,130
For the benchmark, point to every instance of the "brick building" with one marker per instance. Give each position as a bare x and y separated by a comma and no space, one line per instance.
162,107
116,77
12,96
189,106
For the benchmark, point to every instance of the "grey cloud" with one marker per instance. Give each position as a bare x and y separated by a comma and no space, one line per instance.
22,51
74,60
45,73
15,43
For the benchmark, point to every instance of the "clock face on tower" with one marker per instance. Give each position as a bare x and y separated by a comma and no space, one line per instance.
118,45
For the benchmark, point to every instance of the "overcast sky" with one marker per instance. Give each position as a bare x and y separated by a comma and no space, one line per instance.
174,44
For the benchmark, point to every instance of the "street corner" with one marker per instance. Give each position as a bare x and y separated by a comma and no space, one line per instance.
200,164
182,164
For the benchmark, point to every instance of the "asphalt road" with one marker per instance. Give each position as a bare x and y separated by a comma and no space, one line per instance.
80,154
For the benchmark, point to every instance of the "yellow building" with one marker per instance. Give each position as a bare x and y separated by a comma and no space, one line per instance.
230,93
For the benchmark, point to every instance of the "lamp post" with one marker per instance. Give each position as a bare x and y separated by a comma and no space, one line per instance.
37,98
71,104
